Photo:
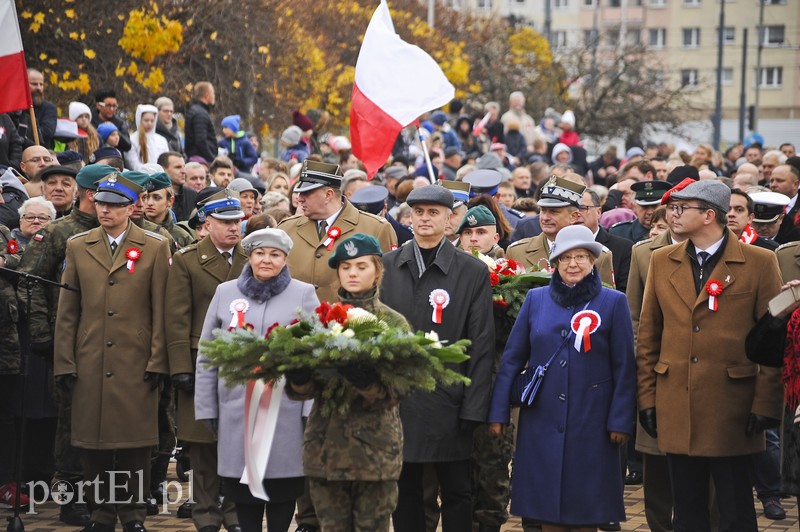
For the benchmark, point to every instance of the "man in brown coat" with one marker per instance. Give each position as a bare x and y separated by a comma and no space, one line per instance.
196,272
111,352
698,392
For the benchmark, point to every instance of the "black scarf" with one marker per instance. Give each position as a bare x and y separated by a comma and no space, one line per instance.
572,296
262,291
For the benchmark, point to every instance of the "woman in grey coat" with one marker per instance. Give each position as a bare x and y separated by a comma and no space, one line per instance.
263,294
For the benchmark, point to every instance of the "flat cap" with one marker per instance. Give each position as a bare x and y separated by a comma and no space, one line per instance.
315,174
371,199
768,206
57,170
356,246
118,190
460,190
270,237
650,192
559,192
431,194
712,192
477,216
89,176
483,182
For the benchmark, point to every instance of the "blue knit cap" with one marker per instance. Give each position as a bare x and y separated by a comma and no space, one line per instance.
232,122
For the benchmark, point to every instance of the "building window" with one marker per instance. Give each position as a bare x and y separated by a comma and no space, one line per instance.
728,35
614,3
772,35
658,37
590,38
560,4
612,37
633,37
689,78
559,39
484,4
770,77
692,3
657,3
691,37
727,76
589,3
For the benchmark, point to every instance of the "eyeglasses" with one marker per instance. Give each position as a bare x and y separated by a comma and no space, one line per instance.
35,217
109,105
678,209
579,259
40,159
585,208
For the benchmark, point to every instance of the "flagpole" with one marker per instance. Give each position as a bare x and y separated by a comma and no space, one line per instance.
428,162
35,127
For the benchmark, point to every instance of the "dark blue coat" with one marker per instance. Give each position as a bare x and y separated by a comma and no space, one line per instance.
566,470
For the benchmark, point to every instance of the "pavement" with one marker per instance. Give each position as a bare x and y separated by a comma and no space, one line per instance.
45,518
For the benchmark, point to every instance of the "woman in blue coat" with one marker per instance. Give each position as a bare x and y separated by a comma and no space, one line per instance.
567,464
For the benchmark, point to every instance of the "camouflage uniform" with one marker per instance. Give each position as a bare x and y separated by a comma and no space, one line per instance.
147,225
9,313
353,461
45,256
180,235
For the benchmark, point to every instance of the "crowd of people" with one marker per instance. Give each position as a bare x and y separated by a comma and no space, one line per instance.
143,243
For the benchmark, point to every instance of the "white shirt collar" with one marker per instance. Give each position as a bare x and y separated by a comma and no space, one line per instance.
118,240
713,248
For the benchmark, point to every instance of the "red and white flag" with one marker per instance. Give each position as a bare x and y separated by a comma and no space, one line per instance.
395,83
15,93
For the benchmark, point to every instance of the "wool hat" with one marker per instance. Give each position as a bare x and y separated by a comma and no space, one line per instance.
105,130
460,190
358,245
712,192
301,120
314,175
117,189
649,193
90,175
371,199
241,184
483,182
679,173
633,152
439,118
223,205
106,152
57,170
339,144
560,192
477,216
270,237
568,118
77,109
68,157
232,122
768,206
575,237
291,136
431,194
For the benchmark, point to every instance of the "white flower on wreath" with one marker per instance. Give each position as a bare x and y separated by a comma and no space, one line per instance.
348,333
336,329
488,261
359,314
435,338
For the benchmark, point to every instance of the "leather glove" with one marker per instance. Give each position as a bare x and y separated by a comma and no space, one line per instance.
359,376
468,425
66,383
183,382
298,377
213,425
155,379
756,423
42,349
647,418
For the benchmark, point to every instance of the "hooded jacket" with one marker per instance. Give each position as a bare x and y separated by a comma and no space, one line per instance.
156,144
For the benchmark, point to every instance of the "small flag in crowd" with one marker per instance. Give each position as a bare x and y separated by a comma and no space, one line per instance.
395,83
15,93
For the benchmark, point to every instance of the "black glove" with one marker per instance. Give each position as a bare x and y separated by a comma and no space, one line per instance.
155,379
468,425
183,382
298,377
756,423
359,376
213,425
42,349
66,383
647,418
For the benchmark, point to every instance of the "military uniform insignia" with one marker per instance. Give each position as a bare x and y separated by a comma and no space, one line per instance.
471,220
351,249
112,178
38,237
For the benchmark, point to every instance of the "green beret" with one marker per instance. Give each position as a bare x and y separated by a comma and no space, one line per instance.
89,175
140,178
356,246
158,181
477,216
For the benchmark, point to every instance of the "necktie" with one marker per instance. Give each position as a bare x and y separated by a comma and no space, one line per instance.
113,247
702,257
227,256
323,226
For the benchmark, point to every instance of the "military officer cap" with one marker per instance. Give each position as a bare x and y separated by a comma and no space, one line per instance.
224,205
432,195
106,152
356,246
649,193
117,189
768,206
371,199
57,170
478,216
270,237
559,192
315,174
89,175
483,182
460,190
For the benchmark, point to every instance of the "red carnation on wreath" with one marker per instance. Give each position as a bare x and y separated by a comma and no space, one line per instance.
270,329
494,279
12,247
322,312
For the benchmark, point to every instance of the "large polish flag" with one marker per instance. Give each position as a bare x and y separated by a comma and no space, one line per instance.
15,93
395,83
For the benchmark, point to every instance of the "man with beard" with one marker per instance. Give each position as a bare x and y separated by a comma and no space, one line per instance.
45,112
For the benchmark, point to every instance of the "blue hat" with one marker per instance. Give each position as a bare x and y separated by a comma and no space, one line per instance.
118,190
224,205
106,152
68,157
105,130
232,122
371,199
483,182
356,246
439,118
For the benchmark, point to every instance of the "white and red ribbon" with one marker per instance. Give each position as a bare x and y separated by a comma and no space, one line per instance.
238,308
713,289
439,299
333,233
133,255
262,404
584,323
749,235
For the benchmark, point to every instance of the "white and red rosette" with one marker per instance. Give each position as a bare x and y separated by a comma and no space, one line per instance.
333,233
133,255
238,307
12,247
713,289
584,323
439,299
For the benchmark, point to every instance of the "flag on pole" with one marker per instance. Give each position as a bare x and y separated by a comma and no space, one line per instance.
15,93
395,83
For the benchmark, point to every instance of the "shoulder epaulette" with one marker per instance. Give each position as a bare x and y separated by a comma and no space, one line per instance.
190,247
520,241
78,235
518,214
154,235
645,241
788,245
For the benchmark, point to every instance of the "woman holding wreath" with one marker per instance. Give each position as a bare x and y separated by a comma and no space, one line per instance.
567,461
353,459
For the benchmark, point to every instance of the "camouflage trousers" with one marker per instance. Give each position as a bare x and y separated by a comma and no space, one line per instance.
491,485
67,458
352,505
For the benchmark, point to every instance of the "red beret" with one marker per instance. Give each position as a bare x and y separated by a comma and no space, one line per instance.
301,121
